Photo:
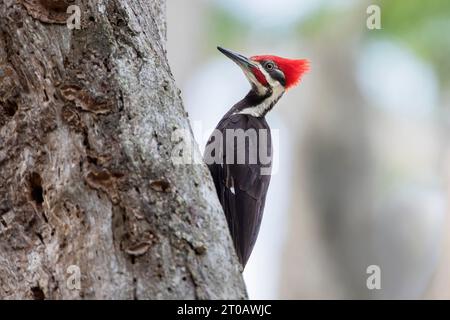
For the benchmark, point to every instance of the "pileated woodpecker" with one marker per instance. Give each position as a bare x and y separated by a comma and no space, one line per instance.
242,185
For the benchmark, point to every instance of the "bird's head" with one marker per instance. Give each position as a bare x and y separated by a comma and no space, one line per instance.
269,74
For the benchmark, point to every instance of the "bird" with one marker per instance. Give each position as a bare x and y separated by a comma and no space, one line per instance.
239,151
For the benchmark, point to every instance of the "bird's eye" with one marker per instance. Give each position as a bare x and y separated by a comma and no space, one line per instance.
269,66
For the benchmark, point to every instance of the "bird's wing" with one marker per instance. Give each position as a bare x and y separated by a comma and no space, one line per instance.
242,188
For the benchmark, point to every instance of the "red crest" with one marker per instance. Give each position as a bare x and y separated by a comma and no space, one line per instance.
293,69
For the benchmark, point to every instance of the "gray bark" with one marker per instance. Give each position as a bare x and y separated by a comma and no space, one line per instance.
86,177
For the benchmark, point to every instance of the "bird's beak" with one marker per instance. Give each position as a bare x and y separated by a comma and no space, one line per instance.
241,61
247,65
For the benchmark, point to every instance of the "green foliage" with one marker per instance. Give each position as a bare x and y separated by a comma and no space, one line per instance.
422,25
226,27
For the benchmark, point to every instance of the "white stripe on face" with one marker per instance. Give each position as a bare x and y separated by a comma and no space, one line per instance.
272,82
277,92
260,88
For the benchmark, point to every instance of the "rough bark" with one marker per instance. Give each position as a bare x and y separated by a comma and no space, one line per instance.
86,177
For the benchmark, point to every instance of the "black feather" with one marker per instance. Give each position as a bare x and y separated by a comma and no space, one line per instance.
242,188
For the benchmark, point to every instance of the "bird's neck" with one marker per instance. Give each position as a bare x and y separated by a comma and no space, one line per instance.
258,105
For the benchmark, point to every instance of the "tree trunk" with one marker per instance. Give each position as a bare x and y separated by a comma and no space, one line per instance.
86,177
